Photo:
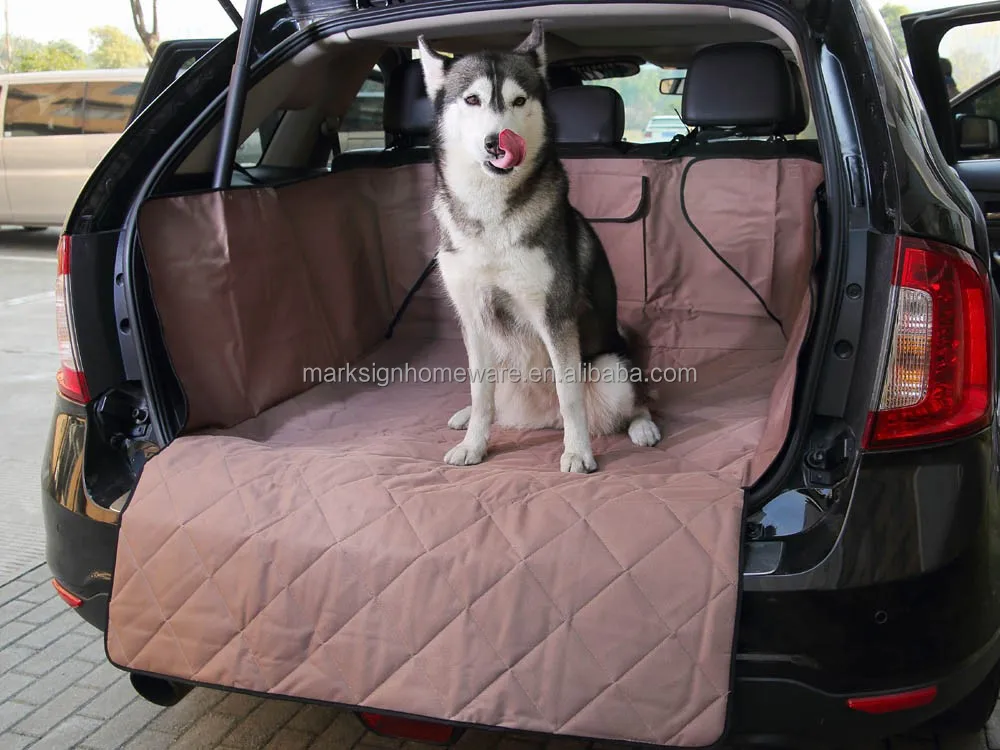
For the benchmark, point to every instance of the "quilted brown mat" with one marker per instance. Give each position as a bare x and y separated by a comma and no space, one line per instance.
312,543
323,550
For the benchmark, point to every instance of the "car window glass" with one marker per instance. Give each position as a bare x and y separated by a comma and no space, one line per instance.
970,66
251,151
361,126
969,55
649,115
44,109
109,105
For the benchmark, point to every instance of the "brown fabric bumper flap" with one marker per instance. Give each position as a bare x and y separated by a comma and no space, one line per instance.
304,537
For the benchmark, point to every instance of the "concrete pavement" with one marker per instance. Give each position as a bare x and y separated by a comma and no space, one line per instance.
29,358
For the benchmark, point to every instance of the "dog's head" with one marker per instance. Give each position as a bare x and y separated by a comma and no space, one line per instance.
490,106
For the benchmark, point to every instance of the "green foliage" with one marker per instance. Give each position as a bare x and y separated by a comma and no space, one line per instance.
890,14
113,48
29,55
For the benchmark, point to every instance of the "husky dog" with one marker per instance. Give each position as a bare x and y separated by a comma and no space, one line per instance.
526,273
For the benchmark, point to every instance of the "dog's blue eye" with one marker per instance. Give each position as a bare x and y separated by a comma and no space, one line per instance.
519,102
472,100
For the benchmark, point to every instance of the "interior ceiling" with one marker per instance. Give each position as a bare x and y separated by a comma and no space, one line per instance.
666,44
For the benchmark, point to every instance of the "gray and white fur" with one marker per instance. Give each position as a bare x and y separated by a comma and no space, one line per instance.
526,273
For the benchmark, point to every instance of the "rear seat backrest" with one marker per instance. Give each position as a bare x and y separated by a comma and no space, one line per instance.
592,117
408,112
768,103
763,101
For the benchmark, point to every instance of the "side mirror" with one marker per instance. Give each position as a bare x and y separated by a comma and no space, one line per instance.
977,135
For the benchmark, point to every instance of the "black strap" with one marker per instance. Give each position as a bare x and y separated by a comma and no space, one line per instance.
409,295
717,254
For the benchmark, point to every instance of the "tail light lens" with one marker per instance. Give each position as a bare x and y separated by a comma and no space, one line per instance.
410,729
885,704
67,596
938,380
69,378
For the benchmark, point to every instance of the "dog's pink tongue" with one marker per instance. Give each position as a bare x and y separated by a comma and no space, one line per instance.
512,148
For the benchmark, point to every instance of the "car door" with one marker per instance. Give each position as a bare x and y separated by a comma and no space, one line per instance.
44,149
171,60
4,202
955,58
107,110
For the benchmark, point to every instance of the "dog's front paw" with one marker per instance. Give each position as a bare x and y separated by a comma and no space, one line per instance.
644,432
460,419
578,463
464,454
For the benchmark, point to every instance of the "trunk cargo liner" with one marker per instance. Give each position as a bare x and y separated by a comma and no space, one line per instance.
310,542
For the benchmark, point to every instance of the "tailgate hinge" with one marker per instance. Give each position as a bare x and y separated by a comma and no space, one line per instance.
122,419
829,454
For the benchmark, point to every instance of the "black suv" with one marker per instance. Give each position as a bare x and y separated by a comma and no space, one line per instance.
870,599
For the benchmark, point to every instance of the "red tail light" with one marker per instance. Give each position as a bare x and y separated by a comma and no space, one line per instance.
409,729
939,376
884,704
71,599
69,378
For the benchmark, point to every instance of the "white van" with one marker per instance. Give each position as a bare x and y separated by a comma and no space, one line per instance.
56,127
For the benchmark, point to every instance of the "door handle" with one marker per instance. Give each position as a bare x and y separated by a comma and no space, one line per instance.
993,216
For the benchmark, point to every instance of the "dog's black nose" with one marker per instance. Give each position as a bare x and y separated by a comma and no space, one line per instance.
493,144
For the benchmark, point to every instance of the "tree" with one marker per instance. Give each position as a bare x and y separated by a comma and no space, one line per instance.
150,35
113,48
19,47
30,55
890,14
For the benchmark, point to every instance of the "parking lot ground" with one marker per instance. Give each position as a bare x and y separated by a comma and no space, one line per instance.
29,358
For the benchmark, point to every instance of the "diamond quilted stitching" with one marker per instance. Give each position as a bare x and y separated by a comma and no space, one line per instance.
551,673
419,604
307,526
632,525
219,532
382,550
633,614
516,614
573,568
673,577
457,673
201,638
470,575
350,507
367,650
662,678
438,513
530,524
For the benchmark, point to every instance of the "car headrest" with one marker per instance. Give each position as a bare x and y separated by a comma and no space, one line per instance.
746,86
407,112
588,114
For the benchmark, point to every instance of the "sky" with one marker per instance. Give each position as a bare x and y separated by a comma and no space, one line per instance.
70,19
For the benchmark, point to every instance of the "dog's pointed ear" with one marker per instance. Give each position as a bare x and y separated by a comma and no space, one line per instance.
534,46
433,64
